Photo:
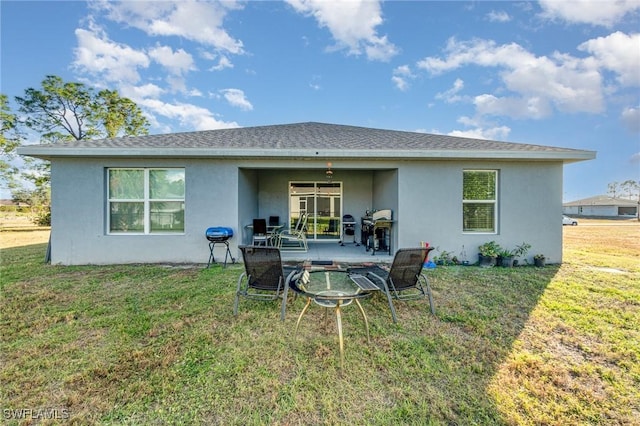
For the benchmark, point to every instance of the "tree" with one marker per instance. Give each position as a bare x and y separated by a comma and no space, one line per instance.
630,187
119,115
65,111
9,140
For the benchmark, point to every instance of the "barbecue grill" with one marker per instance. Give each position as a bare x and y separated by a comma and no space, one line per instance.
219,235
348,229
376,230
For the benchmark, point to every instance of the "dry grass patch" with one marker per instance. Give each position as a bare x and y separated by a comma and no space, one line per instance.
610,244
17,229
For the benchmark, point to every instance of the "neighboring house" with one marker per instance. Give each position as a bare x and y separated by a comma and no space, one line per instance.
151,198
12,204
601,205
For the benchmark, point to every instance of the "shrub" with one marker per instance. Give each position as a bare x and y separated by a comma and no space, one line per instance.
43,218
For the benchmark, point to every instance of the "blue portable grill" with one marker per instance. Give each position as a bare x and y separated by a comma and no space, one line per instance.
219,235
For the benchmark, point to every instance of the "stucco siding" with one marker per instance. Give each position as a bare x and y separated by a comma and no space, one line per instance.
529,207
247,204
79,234
609,211
429,196
425,196
77,211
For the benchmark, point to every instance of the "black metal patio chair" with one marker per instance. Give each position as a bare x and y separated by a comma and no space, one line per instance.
260,236
264,277
405,280
274,221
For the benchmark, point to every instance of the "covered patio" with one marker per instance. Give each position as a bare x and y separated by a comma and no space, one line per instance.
287,193
349,253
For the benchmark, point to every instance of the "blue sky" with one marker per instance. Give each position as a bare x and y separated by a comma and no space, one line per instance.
560,73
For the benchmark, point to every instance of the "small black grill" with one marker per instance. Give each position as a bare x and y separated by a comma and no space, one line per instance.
348,229
215,235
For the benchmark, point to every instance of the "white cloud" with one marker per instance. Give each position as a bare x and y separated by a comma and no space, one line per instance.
177,63
176,84
400,83
98,55
492,133
618,52
223,63
237,98
148,90
380,49
451,95
532,107
352,25
479,52
631,119
498,16
605,13
198,21
570,84
469,121
480,129
188,115
401,77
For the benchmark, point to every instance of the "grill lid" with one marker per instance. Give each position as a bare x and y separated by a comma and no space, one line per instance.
218,233
381,215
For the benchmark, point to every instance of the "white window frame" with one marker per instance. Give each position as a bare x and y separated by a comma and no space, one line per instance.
494,201
315,202
146,200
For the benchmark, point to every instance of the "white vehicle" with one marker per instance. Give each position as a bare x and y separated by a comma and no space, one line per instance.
566,220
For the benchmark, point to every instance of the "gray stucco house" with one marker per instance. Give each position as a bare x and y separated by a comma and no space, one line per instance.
151,198
602,205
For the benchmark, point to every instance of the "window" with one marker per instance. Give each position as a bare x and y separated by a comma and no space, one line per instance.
479,200
144,201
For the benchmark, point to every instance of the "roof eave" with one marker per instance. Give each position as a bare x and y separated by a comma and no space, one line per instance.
49,152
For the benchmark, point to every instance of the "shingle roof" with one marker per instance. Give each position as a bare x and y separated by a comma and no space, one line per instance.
304,139
602,200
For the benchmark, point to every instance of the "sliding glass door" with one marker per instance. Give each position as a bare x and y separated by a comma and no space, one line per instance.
321,203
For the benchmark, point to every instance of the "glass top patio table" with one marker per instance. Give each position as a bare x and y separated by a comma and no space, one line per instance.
329,286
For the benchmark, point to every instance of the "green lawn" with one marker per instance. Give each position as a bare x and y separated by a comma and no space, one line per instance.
150,344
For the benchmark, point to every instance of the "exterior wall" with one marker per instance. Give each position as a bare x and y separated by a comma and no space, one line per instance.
247,204
530,207
587,210
425,196
385,196
78,197
571,210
